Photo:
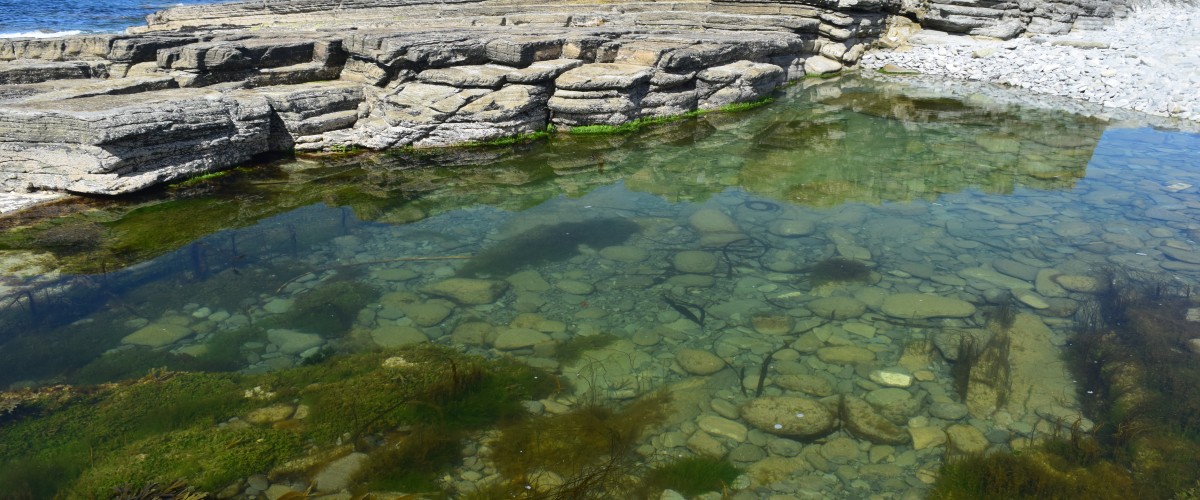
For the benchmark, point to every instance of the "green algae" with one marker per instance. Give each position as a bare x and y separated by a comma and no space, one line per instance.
692,476
80,431
592,448
1138,386
570,351
179,426
1030,475
641,124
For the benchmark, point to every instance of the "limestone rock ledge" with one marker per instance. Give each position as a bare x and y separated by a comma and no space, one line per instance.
202,88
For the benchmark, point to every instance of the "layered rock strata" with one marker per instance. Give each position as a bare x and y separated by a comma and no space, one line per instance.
201,88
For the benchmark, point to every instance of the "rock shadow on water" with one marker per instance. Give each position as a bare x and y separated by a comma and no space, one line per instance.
548,243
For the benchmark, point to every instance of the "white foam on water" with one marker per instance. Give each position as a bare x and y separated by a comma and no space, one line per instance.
40,34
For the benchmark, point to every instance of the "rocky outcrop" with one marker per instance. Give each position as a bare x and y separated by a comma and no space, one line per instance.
196,91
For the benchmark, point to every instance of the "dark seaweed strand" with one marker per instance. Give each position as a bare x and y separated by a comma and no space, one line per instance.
682,308
762,371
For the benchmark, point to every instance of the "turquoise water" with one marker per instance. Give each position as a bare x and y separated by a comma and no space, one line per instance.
840,242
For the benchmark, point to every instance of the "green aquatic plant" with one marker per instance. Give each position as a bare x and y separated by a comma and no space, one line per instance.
200,179
138,361
548,243
72,434
429,385
511,140
570,351
423,401
1033,475
586,443
691,476
630,126
208,458
1002,316
738,107
650,121
177,490
1138,379
413,460
837,269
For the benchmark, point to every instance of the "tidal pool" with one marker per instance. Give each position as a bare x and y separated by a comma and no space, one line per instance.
827,297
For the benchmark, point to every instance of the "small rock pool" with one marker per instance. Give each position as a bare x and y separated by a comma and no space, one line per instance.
860,290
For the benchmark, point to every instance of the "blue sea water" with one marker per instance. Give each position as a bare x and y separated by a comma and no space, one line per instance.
40,18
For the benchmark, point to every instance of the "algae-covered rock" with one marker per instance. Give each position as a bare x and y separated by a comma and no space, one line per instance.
966,438
293,342
468,291
837,307
625,253
893,403
790,416
697,362
863,421
845,355
157,335
517,338
815,385
397,336
427,313
337,475
695,262
708,220
271,414
923,305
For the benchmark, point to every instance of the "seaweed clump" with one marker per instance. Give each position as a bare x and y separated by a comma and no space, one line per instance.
591,449
409,410
691,476
570,351
1140,384
1134,354
1034,474
837,269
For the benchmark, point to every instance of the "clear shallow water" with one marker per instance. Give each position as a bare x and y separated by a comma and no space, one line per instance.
697,246
35,18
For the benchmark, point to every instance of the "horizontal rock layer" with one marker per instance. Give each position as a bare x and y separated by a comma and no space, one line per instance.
194,91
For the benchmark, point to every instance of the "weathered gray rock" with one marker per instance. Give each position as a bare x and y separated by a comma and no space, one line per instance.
310,109
120,144
742,81
318,74
487,76
604,77
29,71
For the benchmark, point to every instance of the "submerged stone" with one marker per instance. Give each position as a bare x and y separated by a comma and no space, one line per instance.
468,291
790,416
923,306
292,342
697,362
157,335
397,336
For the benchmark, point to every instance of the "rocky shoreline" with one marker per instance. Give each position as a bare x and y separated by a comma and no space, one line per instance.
116,114
208,87
1125,66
